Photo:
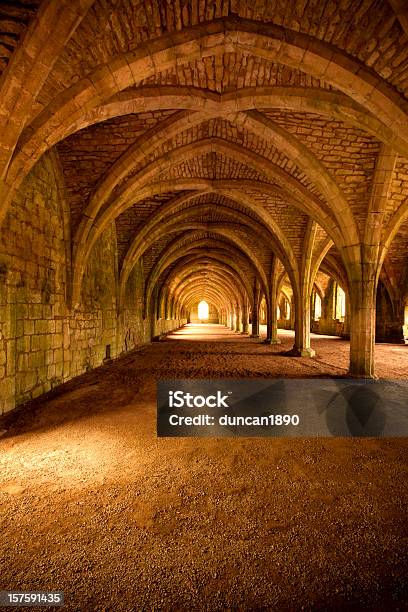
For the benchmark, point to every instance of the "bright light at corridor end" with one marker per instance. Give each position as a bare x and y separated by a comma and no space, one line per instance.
203,310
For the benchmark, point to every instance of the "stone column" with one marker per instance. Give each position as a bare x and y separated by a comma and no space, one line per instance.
255,313
346,328
272,315
389,316
302,346
245,320
292,313
238,323
226,318
272,328
362,328
167,313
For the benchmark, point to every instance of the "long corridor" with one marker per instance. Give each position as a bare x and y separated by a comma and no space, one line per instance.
94,504
238,163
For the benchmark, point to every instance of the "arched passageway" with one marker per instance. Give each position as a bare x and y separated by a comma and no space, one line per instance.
214,153
157,155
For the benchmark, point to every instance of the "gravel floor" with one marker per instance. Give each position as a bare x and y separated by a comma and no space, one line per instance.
92,503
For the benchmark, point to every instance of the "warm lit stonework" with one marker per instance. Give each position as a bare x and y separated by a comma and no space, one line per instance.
188,151
252,154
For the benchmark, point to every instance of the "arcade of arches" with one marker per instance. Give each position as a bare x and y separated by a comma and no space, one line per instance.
156,154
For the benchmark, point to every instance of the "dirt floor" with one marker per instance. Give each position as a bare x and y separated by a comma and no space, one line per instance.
95,505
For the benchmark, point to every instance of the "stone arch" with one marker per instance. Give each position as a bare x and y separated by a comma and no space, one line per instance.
184,262
269,41
196,291
30,66
217,278
133,190
332,104
186,216
223,273
222,231
145,237
391,230
255,123
228,35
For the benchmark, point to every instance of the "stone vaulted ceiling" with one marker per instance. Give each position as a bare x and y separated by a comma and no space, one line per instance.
214,132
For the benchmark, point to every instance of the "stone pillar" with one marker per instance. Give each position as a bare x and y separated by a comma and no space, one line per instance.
238,323
346,328
272,315
272,328
302,346
245,320
236,320
292,313
231,320
255,313
362,328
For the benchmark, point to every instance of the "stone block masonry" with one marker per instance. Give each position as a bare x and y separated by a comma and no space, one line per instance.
43,342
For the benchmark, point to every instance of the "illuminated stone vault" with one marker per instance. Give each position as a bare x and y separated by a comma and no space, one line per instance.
156,154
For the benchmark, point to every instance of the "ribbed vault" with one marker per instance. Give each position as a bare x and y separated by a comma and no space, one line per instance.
218,151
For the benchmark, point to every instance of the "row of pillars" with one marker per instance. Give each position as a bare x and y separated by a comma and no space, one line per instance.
362,322
238,321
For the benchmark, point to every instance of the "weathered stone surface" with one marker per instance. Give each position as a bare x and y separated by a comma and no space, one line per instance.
156,154
42,341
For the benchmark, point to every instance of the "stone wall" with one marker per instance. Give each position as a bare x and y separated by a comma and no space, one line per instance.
42,342
328,327
327,323
285,324
92,329
135,329
33,247
389,322
213,316
164,326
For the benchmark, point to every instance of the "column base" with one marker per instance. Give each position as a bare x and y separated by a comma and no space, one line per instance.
254,336
307,352
270,341
362,376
